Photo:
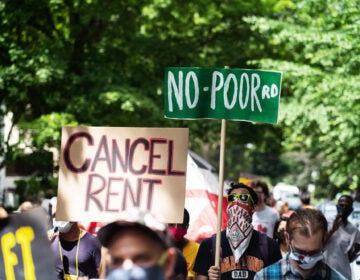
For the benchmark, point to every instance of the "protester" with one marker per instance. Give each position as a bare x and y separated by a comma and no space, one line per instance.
138,245
244,251
188,247
284,209
265,217
76,252
181,267
25,251
305,233
306,200
271,201
343,241
279,235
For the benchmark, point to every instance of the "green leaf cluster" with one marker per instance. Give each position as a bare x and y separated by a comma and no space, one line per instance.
317,46
101,63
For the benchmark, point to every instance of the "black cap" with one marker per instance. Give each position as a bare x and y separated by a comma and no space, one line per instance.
135,219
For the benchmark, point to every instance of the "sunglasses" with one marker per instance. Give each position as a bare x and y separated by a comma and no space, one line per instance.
305,253
243,197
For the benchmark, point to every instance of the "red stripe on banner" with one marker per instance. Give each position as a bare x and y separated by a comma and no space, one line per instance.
204,224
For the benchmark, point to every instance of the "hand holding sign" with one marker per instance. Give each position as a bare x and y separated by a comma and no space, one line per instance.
222,93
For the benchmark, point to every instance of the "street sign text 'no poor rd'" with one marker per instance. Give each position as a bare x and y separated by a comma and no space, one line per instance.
220,93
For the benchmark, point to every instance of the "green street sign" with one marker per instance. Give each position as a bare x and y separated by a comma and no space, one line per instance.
220,93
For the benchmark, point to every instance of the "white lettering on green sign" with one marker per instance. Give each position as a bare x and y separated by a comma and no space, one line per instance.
243,90
178,89
205,90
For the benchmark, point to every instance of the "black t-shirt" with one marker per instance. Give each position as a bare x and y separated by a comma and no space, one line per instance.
261,252
88,259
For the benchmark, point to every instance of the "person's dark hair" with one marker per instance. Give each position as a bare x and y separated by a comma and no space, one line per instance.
306,222
305,198
259,183
348,197
236,185
186,217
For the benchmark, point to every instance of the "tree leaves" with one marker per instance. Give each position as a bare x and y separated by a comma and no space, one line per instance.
319,54
86,62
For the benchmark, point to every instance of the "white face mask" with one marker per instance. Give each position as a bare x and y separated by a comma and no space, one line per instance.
62,226
239,228
306,262
137,273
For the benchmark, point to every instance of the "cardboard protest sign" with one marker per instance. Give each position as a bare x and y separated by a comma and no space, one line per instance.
247,178
106,170
25,250
221,93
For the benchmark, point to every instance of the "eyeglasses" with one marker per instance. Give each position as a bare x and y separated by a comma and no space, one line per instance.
243,197
305,253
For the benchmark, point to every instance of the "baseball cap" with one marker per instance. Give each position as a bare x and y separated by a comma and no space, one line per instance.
137,219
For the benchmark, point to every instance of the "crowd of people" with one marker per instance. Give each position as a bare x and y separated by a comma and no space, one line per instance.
260,241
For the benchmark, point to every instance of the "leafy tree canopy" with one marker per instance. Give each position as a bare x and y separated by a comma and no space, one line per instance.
102,63
316,45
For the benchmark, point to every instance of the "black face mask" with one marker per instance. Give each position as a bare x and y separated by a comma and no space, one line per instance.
344,211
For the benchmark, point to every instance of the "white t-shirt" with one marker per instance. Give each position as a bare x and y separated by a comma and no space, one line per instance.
265,220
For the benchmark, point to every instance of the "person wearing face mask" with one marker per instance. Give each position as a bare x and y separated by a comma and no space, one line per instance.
343,240
244,251
138,247
305,234
77,253
279,235
265,218
188,247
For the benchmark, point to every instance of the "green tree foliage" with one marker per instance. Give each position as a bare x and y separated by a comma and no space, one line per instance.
316,44
101,63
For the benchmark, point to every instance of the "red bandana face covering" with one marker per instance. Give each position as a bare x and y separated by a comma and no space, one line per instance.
239,228
177,233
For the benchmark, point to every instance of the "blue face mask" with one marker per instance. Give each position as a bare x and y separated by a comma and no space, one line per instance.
137,273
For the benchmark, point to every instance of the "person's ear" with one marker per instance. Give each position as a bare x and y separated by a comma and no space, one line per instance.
170,262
